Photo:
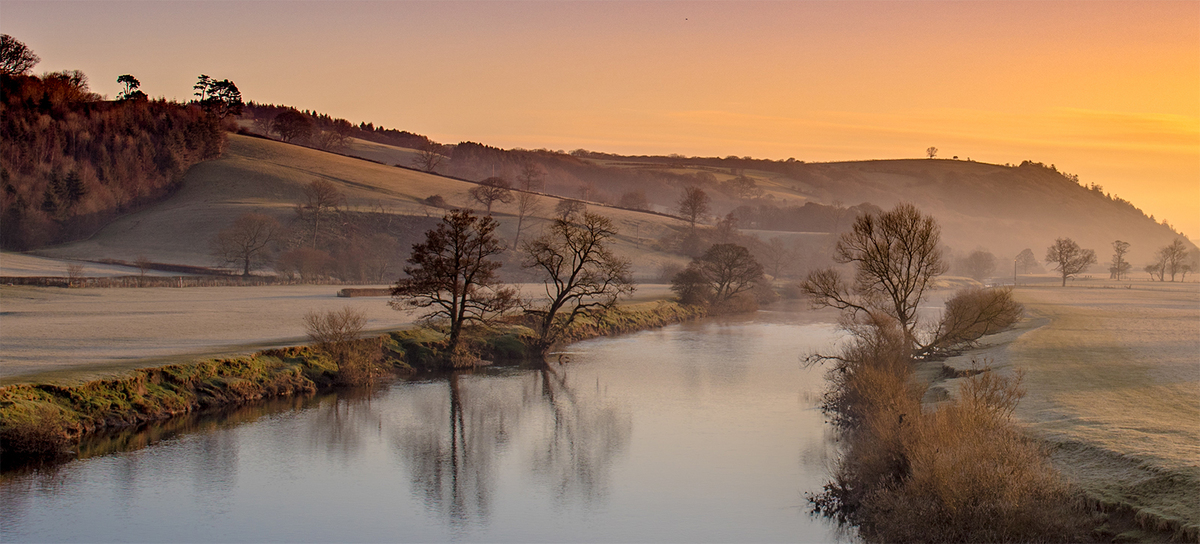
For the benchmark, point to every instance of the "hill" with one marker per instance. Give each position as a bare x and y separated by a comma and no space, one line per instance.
269,177
999,208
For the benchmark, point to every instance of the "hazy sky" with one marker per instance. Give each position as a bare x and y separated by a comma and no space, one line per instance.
1106,90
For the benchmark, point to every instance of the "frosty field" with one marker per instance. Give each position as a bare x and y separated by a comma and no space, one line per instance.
1113,384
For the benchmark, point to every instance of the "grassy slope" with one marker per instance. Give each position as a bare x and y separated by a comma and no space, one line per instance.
267,176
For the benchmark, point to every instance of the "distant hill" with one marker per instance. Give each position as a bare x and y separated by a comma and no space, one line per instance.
999,208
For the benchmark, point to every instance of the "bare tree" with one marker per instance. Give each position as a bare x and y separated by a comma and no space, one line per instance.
931,152
247,242
567,208
979,265
453,275
429,157
335,333
527,205
16,58
74,274
896,257
777,256
1120,267
321,198
492,190
1026,261
729,269
693,204
582,275
143,265
1068,258
532,176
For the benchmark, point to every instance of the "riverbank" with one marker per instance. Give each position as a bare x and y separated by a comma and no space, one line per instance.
43,420
1113,389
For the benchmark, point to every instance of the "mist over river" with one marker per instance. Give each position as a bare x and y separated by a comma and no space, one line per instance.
705,431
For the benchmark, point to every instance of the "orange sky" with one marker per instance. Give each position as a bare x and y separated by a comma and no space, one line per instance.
1107,90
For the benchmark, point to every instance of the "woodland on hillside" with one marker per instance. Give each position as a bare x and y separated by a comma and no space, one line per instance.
70,161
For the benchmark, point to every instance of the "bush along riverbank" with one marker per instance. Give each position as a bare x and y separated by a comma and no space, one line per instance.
45,422
960,471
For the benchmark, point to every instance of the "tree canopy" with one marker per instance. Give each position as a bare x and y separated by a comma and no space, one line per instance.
453,276
1068,258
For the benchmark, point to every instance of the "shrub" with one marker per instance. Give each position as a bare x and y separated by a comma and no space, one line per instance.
972,314
335,333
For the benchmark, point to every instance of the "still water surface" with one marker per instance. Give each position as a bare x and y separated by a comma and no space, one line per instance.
702,432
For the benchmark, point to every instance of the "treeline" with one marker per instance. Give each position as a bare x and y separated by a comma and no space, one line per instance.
70,161
324,131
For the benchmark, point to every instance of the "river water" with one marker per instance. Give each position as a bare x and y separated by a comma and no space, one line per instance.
700,432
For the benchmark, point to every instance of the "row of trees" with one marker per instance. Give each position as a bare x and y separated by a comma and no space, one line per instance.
452,274
1070,260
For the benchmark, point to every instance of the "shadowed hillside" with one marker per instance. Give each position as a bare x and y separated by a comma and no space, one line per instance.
257,175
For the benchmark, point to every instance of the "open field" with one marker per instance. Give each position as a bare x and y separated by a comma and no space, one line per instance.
22,265
71,335
1113,383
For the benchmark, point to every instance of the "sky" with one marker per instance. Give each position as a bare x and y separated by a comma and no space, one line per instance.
1107,90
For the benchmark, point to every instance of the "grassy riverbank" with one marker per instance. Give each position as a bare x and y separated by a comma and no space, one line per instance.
44,420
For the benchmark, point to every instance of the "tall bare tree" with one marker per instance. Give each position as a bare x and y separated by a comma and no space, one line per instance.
527,206
896,256
581,274
247,242
693,204
429,156
492,190
321,200
1120,267
452,273
1069,259
931,152
532,176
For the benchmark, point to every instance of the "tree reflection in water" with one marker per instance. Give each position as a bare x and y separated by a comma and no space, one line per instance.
588,435
572,440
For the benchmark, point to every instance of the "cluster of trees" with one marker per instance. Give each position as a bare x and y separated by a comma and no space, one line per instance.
1172,259
452,275
70,161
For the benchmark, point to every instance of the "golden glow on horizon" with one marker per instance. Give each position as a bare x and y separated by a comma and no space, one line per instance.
1107,90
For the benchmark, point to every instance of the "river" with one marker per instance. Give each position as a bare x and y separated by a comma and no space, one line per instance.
700,432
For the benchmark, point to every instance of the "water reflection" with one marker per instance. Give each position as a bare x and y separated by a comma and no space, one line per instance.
705,431
585,439
458,436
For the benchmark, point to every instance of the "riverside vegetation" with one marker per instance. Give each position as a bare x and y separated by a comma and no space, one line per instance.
44,422
957,472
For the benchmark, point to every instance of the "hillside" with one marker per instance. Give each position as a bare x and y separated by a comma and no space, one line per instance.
269,177
999,208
